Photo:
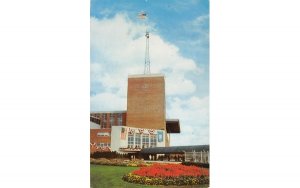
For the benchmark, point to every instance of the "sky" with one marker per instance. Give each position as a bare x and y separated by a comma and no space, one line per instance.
178,48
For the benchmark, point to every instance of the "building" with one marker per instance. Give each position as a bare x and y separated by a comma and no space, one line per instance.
100,128
143,125
194,153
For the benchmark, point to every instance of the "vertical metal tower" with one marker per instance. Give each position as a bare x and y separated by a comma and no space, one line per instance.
147,57
143,16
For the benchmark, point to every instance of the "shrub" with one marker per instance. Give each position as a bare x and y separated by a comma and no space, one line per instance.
203,165
118,162
109,155
181,180
139,163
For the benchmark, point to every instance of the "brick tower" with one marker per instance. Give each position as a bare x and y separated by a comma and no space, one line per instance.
146,101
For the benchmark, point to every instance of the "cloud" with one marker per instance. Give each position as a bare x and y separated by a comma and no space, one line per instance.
105,12
200,21
196,38
108,102
118,47
193,114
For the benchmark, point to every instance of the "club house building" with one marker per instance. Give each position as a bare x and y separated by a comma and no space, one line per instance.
143,125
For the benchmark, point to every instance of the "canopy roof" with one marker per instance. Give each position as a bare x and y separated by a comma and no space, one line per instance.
175,149
172,125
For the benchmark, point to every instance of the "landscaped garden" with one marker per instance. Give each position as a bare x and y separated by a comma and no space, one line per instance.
116,173
168,174
120,162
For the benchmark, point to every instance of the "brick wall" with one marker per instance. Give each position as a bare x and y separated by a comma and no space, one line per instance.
146,102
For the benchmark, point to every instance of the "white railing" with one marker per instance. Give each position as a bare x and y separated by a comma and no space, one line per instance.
201,157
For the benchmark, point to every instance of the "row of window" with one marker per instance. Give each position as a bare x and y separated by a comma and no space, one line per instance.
101,144
103,134
134,140
112,122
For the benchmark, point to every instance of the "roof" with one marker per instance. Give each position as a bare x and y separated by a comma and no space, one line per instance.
145,75
172,125
175,149
95,120
106,112
94,125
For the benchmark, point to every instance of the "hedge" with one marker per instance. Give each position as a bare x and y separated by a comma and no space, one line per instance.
203,165
182,180
119,162
108,155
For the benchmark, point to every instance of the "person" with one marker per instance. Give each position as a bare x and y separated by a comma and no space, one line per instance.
150,157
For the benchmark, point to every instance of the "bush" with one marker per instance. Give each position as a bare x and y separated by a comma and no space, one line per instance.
137,162
203,165
109,155
181,180
112,162
118,162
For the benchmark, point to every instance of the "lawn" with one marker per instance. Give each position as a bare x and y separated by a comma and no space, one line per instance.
103,176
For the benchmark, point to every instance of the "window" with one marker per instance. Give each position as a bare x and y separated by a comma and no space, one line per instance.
104,120
138,140
102,144
111,119
120,119
130,140
103,125
103,134
153,140
104,117
145,140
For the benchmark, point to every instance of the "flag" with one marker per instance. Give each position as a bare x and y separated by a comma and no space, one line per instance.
141,131
123,133
160,136
131,131
151,131
142,15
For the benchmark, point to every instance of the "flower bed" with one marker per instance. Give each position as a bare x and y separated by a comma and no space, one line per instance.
168,174
119,162
138,163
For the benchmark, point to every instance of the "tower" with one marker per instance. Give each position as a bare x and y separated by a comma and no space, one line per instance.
147,57
143,16
146,101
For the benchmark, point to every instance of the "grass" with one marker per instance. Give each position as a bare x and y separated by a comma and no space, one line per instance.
111,177
103,176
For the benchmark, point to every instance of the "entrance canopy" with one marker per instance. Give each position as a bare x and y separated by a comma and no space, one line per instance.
175,149
173,125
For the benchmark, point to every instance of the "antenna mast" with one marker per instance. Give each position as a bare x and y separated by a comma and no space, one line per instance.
143,15
147,57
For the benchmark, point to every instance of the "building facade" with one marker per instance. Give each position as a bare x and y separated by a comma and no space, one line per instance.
143,125
146,101
101,124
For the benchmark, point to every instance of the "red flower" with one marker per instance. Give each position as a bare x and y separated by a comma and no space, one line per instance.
171,170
